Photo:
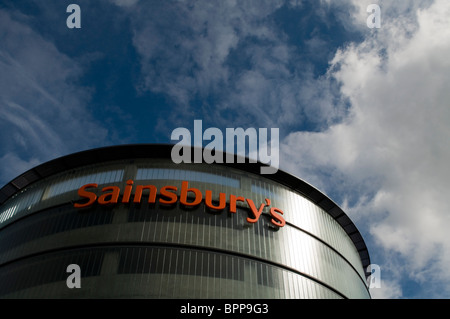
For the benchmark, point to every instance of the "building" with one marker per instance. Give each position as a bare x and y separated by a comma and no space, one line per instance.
139,226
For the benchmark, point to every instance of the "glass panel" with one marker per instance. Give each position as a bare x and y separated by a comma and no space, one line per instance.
48,268
23,201
77,182
195,176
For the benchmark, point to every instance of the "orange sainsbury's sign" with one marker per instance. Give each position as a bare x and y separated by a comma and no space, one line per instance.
168,196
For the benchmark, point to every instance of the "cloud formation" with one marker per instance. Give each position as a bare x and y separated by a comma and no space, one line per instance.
231,61
42,109
390,154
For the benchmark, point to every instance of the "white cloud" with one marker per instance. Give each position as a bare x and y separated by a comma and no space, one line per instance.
387,290
229,61
354,14
184,45
43,112
391,153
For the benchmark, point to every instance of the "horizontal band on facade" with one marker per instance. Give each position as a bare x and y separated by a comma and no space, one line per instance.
175,246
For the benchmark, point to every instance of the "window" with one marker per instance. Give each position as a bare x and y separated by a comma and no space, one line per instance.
177,174
75,183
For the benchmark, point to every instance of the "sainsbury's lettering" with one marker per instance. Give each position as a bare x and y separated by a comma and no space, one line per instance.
189,197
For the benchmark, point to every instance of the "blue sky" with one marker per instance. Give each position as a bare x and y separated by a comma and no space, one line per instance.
363,113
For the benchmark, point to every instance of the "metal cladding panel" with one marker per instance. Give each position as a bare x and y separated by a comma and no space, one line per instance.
326,204
335,211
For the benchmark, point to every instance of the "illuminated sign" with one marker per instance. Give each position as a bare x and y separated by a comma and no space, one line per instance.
168,196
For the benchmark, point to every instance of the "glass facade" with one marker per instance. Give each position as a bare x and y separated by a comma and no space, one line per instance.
155,250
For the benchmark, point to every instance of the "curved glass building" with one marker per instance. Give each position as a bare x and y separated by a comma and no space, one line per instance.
139,226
